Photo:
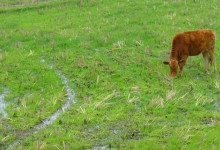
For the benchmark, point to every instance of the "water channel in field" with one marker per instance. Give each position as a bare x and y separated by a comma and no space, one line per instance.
49,120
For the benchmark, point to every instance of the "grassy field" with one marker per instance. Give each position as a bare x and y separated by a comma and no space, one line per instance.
111,52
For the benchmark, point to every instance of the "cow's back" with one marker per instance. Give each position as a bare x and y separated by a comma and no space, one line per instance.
193,42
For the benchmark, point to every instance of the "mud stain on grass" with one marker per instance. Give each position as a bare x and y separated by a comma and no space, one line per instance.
70,100
3,104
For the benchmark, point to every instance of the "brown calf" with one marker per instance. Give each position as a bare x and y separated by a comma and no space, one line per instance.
191,43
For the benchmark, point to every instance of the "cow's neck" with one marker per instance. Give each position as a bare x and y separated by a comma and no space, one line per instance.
173,54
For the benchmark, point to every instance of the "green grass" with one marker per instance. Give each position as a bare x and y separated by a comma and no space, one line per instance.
112,54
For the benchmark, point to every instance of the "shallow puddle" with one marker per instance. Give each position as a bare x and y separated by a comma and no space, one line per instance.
21,4
101,148
69,101
3,104
217,105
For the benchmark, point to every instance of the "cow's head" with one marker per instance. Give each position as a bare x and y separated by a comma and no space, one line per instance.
173,67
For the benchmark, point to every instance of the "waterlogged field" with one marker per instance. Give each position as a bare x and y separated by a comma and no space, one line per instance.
80,74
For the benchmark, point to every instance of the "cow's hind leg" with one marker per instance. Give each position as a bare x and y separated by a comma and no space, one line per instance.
206,59
212,59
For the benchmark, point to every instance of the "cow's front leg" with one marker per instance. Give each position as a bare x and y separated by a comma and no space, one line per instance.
181,70
181,65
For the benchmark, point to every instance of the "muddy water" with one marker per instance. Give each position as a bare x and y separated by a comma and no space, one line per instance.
69,101
3,104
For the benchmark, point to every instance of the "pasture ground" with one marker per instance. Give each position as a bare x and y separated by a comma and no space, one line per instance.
111,52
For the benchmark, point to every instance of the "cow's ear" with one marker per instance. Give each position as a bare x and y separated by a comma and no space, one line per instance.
166,62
